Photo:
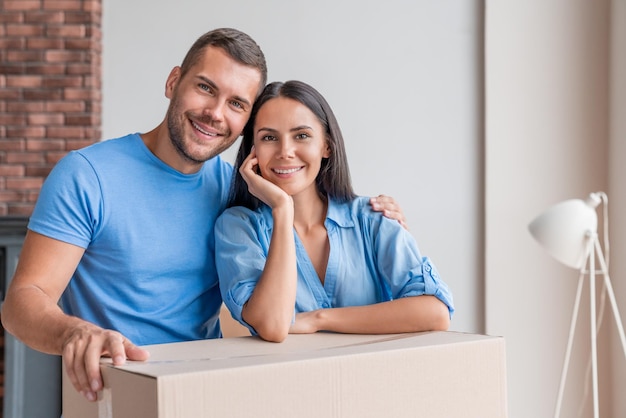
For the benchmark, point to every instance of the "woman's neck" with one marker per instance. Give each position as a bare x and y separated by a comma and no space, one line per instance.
310,211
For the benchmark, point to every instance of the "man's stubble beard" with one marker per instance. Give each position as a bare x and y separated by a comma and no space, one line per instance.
175,122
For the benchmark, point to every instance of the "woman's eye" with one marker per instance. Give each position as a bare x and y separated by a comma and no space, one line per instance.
268,138
302,136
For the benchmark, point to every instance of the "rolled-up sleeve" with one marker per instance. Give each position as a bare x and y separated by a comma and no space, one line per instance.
404,269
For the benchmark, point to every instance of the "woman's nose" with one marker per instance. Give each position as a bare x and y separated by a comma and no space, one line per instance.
286,148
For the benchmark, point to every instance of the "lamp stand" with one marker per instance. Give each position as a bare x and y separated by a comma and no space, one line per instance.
593,249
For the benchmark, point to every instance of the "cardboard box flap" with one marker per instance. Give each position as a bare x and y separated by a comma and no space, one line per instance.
197,356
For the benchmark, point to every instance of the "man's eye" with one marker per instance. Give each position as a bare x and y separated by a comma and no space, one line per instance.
205,87
237,104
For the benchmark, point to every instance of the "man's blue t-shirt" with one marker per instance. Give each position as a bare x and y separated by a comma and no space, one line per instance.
148,270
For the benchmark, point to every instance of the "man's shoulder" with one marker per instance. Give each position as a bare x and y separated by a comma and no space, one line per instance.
123,143
217,163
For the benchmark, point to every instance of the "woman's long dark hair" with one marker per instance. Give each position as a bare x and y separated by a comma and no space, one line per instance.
333,180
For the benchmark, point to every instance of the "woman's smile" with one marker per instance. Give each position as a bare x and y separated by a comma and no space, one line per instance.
287,170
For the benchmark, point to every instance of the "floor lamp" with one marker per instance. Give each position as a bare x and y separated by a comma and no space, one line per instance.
568,232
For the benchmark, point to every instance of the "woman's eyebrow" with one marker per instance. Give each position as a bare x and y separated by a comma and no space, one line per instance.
297,128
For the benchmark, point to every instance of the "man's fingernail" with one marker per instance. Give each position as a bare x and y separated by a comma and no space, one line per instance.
95,386
89,395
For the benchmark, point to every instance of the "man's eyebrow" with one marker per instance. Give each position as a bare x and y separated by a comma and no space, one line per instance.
208,81
216,88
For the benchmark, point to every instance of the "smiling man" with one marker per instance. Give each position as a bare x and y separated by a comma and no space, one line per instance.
122,232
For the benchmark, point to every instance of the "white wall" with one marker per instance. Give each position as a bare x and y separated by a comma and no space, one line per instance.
547,140
403,76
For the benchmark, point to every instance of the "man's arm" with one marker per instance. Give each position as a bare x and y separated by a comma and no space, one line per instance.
31,313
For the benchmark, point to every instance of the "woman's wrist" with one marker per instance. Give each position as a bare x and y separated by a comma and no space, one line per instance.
284,210
321,319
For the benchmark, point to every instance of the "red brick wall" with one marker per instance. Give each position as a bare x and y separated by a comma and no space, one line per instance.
50,91
50,95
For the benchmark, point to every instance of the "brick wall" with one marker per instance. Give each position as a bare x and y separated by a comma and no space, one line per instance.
50,95
50,91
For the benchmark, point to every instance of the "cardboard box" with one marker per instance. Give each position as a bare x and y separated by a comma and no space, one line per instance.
438,374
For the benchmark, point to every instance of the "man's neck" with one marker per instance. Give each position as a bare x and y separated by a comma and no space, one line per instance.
160,144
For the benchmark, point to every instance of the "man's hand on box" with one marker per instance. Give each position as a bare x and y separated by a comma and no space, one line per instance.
82,352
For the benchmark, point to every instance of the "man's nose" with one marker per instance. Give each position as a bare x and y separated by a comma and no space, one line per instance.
215,109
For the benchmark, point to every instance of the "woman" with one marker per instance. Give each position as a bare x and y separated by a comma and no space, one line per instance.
298,252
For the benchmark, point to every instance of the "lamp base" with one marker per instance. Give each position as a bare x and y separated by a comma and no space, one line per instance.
593,249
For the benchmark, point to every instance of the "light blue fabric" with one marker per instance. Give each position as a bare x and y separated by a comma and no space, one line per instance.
372,259
148,270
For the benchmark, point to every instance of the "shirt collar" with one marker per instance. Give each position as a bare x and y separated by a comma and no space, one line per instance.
339,213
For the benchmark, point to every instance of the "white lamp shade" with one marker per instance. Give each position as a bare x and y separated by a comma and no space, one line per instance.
563,229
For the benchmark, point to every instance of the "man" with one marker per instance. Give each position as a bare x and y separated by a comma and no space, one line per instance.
122,232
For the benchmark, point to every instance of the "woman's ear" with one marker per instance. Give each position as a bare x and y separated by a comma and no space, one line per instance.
327,151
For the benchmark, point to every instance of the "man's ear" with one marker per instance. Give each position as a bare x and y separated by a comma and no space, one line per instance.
172,82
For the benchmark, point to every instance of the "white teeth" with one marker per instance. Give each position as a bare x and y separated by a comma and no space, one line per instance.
289,171
195,125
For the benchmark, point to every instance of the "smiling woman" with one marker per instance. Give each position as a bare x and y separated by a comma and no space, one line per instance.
298,251
290,152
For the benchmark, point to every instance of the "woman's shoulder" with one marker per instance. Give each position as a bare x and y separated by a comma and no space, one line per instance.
244,214
358,202
354,210
361,207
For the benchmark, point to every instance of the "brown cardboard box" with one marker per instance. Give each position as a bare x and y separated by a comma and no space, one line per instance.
438,374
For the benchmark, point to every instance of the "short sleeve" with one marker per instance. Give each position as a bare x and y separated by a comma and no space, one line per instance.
69,207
